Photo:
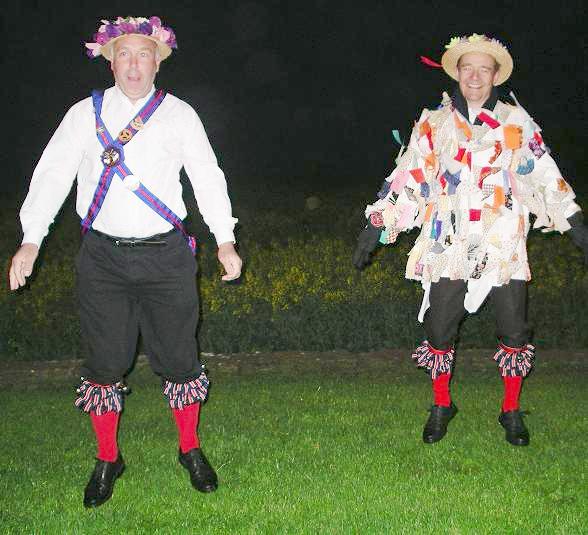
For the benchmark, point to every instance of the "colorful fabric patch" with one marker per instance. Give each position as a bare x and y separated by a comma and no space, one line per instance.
431,160
453,180
376,219
410,194
425,190
459,157
497,152
475,214
463,126
490,121
562,185
526,166
536,148
477,273
384,190
399,181
513,136
418,175
428,212
498,197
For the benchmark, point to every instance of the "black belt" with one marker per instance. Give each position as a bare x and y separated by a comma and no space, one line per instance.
157,240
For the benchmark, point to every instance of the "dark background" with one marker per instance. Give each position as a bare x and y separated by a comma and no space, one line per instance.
299,96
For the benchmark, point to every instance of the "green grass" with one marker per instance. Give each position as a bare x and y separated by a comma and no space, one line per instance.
305,453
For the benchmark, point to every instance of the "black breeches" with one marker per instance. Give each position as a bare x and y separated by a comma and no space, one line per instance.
124,291
446,311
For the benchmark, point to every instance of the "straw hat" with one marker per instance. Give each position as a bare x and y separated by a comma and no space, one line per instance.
110,31
458,46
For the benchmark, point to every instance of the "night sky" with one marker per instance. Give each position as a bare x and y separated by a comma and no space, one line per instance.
302,93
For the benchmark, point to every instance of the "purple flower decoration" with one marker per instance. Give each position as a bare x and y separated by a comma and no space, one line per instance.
113,31
155,21
127,27
101,38
145,28
172,43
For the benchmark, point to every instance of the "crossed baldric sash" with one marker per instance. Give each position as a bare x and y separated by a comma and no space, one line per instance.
113,159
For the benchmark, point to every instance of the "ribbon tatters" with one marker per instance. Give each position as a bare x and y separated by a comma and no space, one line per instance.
433,360
181,395
100,399
513,361
113,161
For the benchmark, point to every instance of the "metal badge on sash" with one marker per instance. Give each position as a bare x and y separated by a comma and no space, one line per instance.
111,156
137,123
125,135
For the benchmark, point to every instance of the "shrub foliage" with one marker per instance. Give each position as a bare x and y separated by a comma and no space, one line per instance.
299,291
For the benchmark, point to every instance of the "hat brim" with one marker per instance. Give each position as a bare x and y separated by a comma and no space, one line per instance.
499,53
107,50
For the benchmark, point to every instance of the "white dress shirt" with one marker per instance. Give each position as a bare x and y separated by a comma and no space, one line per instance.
173,137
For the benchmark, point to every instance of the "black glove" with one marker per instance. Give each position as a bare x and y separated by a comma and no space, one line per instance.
579,233
366,243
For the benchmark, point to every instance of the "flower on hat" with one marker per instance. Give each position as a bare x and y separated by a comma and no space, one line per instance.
453,41
474,38
151,27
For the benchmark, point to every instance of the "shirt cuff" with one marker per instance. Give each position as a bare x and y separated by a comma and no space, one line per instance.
35,237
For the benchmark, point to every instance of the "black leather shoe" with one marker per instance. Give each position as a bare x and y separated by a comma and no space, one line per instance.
516,431
436,425
99,488
202,475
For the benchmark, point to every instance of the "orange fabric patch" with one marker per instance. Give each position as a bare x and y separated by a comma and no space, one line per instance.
499,197
462,125
562,185
431,161
428,212
424,129
513,136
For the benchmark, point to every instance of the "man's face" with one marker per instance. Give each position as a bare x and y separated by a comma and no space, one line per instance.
476,74
135,61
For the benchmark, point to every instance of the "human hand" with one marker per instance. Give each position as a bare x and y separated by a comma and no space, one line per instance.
366,244
230,260
579,233
22,265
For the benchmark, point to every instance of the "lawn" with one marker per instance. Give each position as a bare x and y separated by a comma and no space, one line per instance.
309,450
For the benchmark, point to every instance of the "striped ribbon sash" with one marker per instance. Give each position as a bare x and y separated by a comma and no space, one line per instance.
113,159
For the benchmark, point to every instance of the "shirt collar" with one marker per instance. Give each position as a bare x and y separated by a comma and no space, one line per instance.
137,105
461,104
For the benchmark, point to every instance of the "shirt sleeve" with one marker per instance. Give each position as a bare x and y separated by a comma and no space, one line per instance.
52,178
401,203
549,195
207,179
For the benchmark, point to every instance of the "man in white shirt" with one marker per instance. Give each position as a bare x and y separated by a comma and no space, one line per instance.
474,170
136,267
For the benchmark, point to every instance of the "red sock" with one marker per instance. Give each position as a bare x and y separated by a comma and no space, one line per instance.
187,423
441,390
512,390
105,428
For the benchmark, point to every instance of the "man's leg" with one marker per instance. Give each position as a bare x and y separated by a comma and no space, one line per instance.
168,320
436,354
514,354
109,323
